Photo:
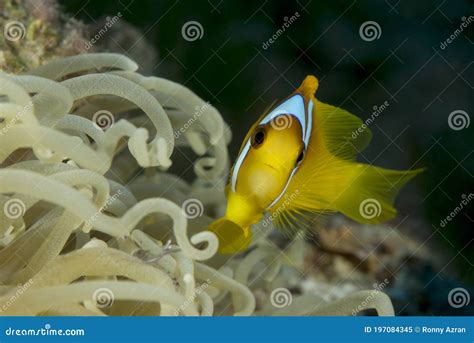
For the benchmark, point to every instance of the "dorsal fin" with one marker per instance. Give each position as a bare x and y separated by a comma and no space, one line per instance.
309,86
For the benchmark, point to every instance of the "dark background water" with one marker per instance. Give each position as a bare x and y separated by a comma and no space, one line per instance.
409,66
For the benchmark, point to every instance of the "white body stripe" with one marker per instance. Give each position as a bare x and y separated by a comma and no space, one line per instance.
307,134
284,188
306,142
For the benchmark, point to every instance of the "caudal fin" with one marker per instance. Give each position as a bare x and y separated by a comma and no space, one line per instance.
362,192
370,192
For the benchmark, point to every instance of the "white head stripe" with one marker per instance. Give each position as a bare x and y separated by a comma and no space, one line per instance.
293,106
238,164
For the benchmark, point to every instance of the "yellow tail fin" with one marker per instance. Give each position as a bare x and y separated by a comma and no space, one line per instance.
369,192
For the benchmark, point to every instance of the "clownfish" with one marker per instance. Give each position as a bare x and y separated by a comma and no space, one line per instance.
298,159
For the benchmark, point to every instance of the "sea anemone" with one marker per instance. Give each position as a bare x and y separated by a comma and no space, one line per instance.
93,222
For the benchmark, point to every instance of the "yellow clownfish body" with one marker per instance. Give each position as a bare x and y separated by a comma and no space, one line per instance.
306,149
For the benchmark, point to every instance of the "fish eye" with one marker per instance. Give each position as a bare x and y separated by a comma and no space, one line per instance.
258,137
